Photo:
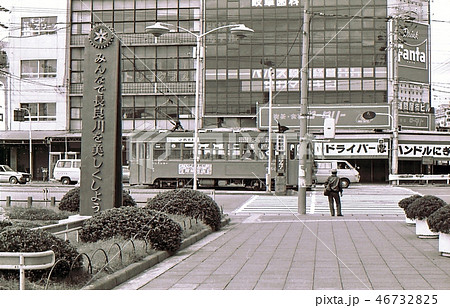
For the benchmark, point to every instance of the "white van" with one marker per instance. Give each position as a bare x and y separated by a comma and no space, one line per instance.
67,171
347,173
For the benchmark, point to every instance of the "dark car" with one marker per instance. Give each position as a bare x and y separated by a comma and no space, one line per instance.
9,175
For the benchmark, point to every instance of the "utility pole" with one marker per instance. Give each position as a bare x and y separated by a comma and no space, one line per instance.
269,163
394,106
303,111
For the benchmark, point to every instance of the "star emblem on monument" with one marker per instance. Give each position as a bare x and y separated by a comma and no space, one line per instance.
101,36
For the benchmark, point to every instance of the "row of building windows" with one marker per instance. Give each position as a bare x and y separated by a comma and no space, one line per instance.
40,111
38,68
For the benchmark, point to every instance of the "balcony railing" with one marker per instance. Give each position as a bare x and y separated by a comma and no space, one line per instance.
139,39
147,88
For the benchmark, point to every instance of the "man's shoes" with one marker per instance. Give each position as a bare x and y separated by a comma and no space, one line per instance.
340,215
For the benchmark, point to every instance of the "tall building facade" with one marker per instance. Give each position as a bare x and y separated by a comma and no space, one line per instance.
348,63
35,83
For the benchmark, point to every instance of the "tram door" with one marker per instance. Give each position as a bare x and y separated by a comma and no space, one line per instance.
141,163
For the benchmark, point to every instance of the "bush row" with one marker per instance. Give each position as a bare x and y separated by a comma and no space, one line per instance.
129,221
190,203
71,200
432,208
133,222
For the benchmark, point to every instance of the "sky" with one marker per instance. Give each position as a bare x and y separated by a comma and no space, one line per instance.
440,44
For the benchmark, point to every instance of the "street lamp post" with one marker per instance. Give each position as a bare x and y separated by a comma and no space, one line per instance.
270,64
158,29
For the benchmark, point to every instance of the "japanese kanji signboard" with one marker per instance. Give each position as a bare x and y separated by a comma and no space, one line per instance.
101,147
421,150
345,116
353,149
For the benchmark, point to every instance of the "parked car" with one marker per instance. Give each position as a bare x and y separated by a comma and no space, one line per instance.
9,175
347,173
125,174
68,171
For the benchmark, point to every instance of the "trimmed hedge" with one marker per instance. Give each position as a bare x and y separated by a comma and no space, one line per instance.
405,202
188,202
424,207
4,224
439,221
35,214
71,200
134,222
15,239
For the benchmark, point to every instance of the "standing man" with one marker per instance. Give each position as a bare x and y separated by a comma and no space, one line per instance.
333,184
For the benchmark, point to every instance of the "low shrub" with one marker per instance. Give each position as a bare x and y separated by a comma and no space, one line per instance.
189,203
134,222
405,202
26,240
71,200
35,214
5,223
423,207
439,221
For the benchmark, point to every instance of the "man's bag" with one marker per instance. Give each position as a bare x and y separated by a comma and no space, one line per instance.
326,191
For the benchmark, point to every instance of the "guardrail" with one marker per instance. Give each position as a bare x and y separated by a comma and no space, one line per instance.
419,177
29,201
72,224
26,261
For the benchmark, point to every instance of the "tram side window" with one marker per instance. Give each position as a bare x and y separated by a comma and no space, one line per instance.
234,151
174,150
218,151
159,151
204,151
247,152
188,152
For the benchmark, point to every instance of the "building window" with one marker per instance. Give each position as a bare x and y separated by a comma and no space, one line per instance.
38,26
38,68
40,111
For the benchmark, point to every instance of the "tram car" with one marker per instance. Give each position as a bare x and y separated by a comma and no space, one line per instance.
225,159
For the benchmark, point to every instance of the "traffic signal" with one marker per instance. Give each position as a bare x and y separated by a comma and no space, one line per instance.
19,115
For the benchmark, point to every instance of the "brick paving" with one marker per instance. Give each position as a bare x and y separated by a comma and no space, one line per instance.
309,252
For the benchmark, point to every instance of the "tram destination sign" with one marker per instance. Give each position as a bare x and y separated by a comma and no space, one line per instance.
345,116
101,170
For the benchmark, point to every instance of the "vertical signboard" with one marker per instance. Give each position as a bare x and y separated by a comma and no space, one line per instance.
413,57
101,169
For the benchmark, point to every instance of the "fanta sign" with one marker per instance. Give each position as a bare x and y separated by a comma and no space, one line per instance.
413,57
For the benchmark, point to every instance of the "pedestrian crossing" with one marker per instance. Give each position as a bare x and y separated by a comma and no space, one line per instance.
358,199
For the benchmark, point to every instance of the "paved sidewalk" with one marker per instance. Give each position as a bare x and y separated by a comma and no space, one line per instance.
310,252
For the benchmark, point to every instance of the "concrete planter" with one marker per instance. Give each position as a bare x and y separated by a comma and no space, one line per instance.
444,244
422,230
410,221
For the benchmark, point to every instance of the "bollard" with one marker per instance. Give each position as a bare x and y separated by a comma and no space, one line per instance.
30,201
8,201
53,201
